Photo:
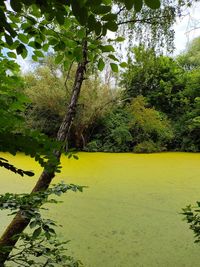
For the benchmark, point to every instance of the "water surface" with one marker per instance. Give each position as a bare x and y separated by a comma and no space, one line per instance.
129,215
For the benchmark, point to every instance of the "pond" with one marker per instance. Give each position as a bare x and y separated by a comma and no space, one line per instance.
130,213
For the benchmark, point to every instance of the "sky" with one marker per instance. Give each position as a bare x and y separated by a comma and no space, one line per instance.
186,29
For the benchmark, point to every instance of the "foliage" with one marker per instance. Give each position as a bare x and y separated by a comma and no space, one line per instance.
170,89
148,147
4,163
153,28
190,58
96,100
157,77
48,99
134,125
191,215
39,246
112,132
49,92
12,101
188,128
148,126
14,135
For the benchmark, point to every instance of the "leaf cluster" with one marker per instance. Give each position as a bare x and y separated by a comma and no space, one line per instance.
192,216
4,163
40,246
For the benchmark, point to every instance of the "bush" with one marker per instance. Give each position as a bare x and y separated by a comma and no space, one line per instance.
148,147
112,131
93,146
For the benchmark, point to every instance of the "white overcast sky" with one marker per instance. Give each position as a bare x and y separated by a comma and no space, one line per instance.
186,29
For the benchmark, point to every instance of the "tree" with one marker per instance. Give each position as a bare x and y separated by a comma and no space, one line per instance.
150,129
48,98
49,92
112,131
190,58
157,77
188,125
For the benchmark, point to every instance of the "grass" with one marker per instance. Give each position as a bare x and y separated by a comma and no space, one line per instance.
130,214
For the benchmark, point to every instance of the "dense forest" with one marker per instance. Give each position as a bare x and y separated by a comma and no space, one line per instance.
154,105
85,93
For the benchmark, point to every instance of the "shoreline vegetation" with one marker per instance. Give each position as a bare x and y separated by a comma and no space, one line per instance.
154,107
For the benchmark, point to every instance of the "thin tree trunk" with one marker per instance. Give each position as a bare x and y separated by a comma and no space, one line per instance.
20,222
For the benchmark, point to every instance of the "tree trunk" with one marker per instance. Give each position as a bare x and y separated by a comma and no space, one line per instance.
19,222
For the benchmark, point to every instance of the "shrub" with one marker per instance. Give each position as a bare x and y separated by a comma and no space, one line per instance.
148,124
148,147
93,146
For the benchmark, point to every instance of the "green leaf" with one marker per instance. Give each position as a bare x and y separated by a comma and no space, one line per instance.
104,30
29,173
20,49
45,47
53,41
91,22
58,59
113,57
34,57
32,44
60,19
112,26
75,157
60,46
78,53
114,67
129,4
35,10
119,39
24,26
101,64
138,5
107,48
153,4
9,39
93,3
109,17
35,44
81,33
101,9
16,5
14,18
23,38
80,12
38,53
107,2
66,65
24,53
11,55
37,232
123,65
97,28
33,224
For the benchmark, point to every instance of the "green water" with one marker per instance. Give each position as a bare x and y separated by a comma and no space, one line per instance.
129,215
